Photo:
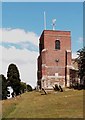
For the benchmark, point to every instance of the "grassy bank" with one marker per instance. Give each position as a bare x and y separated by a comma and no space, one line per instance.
67,104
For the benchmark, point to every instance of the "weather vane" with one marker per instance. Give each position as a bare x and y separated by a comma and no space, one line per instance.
54,23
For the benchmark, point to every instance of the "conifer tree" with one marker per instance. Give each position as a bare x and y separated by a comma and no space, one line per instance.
13,78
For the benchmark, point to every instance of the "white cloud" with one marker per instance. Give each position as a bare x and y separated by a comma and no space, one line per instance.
0,59
74,55
18,35
25,60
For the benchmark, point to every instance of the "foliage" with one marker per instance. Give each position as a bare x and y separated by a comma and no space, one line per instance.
81,65
23,87
4,87
29,88
13,78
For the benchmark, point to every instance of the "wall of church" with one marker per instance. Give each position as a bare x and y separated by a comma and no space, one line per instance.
55,61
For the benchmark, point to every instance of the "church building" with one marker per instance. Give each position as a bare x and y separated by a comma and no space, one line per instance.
54,61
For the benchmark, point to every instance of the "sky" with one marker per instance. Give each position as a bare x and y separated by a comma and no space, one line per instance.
22,25
42,0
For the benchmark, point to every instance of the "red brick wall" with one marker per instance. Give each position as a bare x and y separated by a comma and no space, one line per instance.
51,54
48,56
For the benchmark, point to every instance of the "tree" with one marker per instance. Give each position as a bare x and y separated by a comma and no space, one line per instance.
81,65
13,78
23,87
3,81
29,88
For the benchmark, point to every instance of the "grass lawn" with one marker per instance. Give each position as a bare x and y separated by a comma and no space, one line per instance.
67,104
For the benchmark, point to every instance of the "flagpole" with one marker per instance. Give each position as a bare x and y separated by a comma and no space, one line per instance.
44,20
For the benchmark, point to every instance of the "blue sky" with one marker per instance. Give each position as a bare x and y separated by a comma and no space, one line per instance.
23,23
29,16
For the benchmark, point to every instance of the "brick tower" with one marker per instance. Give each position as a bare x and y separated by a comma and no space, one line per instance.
54,60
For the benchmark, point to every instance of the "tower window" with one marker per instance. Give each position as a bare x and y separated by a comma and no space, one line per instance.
57,45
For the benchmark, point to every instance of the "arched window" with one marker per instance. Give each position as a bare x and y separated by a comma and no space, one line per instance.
57,45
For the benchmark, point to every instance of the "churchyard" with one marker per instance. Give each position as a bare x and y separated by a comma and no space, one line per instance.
66,104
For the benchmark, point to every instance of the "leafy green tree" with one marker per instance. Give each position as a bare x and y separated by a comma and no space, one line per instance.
4,86
81,65
23,87
29,88
13,78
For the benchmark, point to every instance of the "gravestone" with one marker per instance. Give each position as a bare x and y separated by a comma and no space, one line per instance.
44,91
61,90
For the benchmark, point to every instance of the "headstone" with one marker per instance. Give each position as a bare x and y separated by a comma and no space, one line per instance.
44,91
56,87
61,90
